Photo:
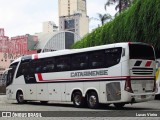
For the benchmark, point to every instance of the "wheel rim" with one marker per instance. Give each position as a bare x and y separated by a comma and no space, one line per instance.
92,100
77,99
20,97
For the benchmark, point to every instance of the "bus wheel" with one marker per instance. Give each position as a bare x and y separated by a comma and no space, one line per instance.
44,102
119,105
78,100
93,101
19,97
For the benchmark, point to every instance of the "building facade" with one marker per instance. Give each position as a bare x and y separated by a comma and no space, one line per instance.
12,48
56,41
70,7
73,16
49,26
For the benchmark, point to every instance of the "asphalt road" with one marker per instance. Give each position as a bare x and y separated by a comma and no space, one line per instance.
67,111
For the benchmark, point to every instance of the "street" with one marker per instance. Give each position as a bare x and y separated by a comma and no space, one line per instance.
68,111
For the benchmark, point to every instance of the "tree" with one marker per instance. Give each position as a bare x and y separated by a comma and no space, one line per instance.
122,4
104,18
129,27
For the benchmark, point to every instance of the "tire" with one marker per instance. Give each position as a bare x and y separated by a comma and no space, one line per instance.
20,97
119,105
78,100
44,102
107,105
93,101
157,97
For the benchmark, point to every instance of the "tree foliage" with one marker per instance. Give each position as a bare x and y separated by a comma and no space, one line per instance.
139,23
122,4
104,18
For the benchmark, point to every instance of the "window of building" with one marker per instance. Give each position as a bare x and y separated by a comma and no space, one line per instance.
69,24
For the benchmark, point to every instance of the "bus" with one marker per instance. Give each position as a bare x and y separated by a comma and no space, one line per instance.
157,78
118,74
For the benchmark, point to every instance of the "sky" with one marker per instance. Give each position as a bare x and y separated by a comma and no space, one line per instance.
20,17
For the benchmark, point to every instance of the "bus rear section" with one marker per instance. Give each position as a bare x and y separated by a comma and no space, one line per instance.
140,83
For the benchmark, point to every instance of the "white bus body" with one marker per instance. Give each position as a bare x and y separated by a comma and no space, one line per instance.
118,73
158,77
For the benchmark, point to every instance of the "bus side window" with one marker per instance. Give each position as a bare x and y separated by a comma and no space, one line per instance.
79,61
63,63
48,65
96,59
112,56
35,66
23,69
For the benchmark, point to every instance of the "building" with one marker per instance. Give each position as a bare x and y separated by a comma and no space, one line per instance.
56,41
12,48
70,7
49,26
73,16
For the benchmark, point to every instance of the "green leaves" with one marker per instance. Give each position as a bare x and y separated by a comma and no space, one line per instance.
139,23
104,18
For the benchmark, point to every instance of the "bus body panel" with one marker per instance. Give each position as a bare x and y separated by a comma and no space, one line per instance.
102,92
42,92
142,76
56,91
30,92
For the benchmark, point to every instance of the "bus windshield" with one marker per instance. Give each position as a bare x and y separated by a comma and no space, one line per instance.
11,73
141,51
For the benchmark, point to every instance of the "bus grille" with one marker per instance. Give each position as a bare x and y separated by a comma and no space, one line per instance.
142,71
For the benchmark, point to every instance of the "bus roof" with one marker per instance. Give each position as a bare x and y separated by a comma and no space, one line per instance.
72,51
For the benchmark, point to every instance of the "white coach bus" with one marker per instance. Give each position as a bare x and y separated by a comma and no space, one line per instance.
158,78
118,74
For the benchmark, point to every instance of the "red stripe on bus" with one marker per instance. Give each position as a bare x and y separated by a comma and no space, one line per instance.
36,56
40,77
95,78
148,64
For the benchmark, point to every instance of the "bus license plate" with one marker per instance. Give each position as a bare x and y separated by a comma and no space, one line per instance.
143,96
